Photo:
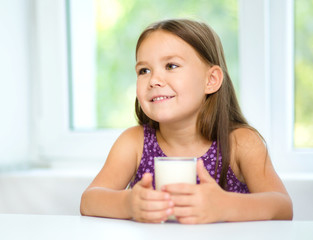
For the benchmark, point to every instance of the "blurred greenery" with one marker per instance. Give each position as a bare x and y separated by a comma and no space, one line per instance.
119,24
303,132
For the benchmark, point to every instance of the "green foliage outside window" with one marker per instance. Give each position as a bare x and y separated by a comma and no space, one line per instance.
303,74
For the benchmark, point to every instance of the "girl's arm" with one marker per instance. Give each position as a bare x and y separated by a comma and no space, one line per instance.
269,198
207,202
107,197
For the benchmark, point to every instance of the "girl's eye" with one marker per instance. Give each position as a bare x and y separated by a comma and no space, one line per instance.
171,66
143,71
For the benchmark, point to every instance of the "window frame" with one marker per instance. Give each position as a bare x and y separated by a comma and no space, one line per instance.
285,155
56,144
266,100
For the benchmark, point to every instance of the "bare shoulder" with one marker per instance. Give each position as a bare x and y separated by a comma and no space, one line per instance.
253,160
246,146
122,160
133,133
247,138
130,142
246,143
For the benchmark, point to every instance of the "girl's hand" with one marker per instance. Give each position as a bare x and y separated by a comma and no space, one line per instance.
148,205
203,203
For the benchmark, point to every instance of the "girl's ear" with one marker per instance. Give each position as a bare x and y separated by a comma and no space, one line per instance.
214,80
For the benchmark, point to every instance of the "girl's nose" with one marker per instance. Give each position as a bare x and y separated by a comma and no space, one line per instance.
156,80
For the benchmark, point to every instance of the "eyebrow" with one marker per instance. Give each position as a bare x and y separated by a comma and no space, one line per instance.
165,58
140,63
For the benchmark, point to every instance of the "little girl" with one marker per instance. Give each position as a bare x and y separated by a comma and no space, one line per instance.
186,106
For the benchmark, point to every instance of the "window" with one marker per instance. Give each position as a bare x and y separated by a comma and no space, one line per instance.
285,150
303,59
103,36
263,45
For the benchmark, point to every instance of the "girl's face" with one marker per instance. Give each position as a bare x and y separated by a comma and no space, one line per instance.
171,78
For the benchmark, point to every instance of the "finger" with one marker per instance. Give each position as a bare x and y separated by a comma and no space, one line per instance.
156,205
203,174
187,220
156,216
150,194
183,200
146,181
183,212
179,188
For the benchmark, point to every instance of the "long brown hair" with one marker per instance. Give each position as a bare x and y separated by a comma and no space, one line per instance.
220,114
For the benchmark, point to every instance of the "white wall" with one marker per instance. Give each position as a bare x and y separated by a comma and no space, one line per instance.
300,189
55,192
14,82
59,192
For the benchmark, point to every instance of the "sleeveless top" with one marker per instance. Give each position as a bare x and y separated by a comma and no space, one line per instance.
152,149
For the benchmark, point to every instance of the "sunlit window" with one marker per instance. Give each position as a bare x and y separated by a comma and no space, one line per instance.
103,35
303,132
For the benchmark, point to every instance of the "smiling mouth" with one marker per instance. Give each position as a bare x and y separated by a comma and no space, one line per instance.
161,98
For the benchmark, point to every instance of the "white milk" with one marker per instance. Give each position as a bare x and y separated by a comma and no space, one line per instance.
169,170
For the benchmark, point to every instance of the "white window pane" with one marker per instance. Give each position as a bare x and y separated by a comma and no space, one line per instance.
103,39
303,132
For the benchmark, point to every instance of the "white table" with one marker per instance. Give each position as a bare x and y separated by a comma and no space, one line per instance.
58,227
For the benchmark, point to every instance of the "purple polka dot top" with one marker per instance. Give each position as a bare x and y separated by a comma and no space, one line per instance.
152,149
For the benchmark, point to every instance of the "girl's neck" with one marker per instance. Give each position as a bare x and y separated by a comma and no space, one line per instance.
180,141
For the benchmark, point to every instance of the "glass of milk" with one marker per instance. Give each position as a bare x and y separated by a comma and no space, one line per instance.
170,170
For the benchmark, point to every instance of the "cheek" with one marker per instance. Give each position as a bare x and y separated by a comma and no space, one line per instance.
195,91
195,84
139,93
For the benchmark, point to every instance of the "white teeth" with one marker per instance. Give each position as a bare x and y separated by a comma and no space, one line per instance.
159,98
